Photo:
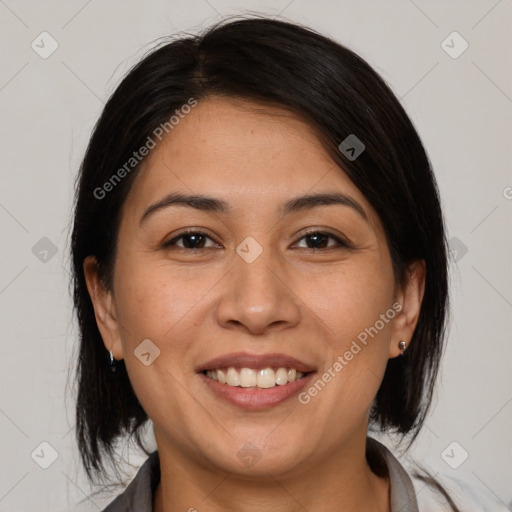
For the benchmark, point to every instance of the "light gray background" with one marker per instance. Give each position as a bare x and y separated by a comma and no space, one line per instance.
462,109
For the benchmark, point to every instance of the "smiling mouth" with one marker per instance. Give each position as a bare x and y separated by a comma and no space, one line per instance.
264,378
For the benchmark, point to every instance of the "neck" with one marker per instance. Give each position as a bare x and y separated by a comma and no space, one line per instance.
344,482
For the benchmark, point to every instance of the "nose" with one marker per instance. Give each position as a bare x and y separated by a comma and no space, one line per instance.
258,297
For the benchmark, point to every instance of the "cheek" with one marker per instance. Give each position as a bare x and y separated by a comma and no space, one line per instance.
166,307
355,307
155,301
350,301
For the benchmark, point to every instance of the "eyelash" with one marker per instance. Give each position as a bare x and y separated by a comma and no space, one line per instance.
340,242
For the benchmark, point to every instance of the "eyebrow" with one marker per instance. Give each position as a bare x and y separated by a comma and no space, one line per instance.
214,205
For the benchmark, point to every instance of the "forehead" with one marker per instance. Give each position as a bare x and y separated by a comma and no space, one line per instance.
240,151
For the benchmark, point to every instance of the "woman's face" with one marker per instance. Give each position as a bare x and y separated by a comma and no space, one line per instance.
249,285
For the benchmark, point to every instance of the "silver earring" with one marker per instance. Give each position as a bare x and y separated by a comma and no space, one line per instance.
112,363
402,345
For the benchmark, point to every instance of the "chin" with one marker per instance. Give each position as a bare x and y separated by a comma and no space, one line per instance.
249,461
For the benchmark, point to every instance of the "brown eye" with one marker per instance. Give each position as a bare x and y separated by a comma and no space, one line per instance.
192,240
320,240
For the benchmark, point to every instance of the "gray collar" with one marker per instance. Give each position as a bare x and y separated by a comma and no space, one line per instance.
403,495
138,496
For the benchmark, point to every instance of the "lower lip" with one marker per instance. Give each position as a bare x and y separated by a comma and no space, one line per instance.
256,399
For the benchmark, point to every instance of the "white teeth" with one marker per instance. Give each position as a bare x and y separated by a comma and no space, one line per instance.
247,377
266,378
282,376
232,377
250,378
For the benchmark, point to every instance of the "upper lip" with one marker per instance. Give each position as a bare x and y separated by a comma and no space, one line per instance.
255,361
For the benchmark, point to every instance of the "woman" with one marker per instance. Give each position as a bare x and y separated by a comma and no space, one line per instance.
259,269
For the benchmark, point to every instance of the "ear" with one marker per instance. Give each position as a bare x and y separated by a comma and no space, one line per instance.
104,308
410,297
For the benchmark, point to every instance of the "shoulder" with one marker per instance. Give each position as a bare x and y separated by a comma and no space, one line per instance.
136,497
423,490
467,495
